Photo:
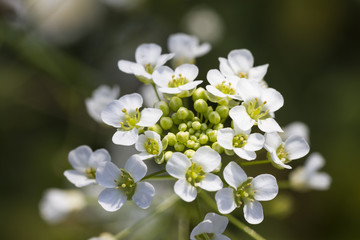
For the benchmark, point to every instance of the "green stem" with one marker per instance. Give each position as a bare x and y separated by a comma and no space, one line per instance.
254,162
159,209
154,174
165,177
156,92
231,218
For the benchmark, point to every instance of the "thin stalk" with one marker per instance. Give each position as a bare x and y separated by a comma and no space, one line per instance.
254,162
154,174
156,92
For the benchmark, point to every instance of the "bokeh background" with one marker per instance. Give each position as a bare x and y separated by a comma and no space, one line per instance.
54,53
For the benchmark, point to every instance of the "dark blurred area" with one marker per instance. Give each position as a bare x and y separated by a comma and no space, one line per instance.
54,53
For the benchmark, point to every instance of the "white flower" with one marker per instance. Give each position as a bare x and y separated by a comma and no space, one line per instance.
195,172
101,97
221,86
124,114
123,184
281,153
57,204
258,107
243,144
149,144
186,48
85,163
148,59
213,226
180,82
245,190
297,129
308,177
104,236
240,63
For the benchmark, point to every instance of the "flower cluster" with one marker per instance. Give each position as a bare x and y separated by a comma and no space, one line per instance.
197,135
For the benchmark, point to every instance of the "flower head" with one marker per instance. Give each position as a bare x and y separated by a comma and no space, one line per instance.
245,190
124,184
124,114
148,59
149,144
221,86
195,172
85,163
213,227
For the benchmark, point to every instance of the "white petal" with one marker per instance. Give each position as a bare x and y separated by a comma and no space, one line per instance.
98,157
225,138
219,222
241,60
253,212
221,237
214,77
202,49
216,92
208,158
225,200
190,85
177,165
78,179
234,175
143,195
254,142
211,183
79,157
125,138
272,141
296,147
274,99
240,117
205,226
112,114
131,101
249,90
225,67
149,116
148,54
245,154
170,90
126,66
139,70
140,143
298,129
163,59
106,174
258,73
319,181
314,162
185,190
269,125
278,163
162,76
266,187
112,199
136,167
189,71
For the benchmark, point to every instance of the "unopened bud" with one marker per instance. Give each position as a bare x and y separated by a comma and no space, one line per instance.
156,128
200,106
163,106
166,123
199,93
175,103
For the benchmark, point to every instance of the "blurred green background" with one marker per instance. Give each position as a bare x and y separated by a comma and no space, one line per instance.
54,53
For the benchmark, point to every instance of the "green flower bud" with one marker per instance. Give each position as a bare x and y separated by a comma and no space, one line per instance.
208,131
182,113
229,152
189,124
166,123
214,117
167,155
219,126
194,138
209,110
164,143
196,119
191,131
179,147
197,133
182,127
199,93
200,106
203,139
196,146
190,116
159,159
156,128
223,111
189,153
196,125
175,119
190,143
216,146
171,138
224,102
203,126
163,106
213,136
175,103
182,136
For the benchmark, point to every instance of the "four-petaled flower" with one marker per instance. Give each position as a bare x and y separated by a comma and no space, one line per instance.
195,172
245,190
124,184
211,228
221,86
149,144
124,114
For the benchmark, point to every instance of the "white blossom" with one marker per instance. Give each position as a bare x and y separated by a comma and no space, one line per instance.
213,226
195,172
307,177
245,190
221,86
85,163
148,58
281,153
101,97
124,184
149,144
296,129
124,114
179,82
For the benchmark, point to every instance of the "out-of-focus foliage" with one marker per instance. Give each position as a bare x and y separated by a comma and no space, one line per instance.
54,53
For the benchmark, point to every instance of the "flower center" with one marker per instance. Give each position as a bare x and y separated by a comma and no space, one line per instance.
176,82
152,146
195,174
256,109
243,75
130,119
204,236
149,68
126,183
90,172
282,154
244,191
240,140
225,88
